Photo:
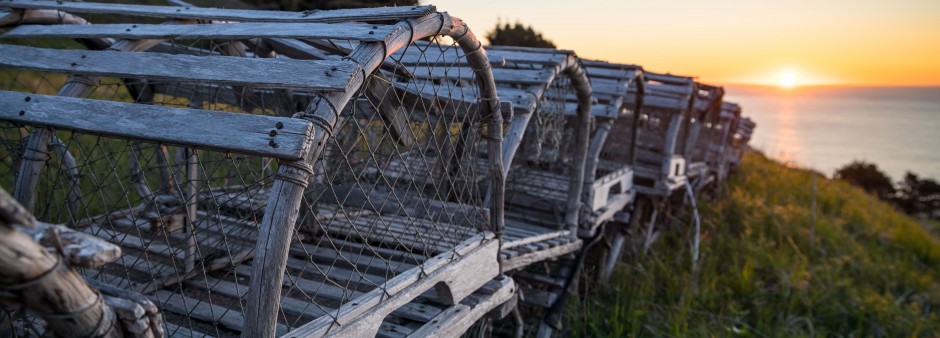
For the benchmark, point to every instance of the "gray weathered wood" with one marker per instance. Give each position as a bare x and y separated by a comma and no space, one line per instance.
524,260
324,75
231,31
278,224
189,12
245,133
78,248
457,319
502,75
47,286
363,316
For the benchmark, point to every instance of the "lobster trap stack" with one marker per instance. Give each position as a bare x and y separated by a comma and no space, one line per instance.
263,172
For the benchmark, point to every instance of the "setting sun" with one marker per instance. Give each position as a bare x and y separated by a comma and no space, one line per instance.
787,80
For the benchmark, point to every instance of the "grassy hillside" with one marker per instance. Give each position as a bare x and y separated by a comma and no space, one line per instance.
870,271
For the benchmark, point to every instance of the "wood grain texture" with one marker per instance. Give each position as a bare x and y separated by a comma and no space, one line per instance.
455,321
325,75
189,12
363,316
47,287
248,30
244,133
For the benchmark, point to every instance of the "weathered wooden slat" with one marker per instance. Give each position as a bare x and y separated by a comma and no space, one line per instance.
324,75
669,78
248,30
669,89
605,64
612,73
660,102
456,320
609,86
243,133
203,310
501,75
340,15
364,315
449,56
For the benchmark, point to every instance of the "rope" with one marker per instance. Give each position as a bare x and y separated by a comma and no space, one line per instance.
33,281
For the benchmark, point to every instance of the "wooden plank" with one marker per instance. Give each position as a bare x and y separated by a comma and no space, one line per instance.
244,133
231,289
625,74
669,78
537,238
610,86
248,30
364,316
669,89
176,331
610,65
520,57
524,260
531,49
501,75
323,75
450,56
203,310
407,204
661,102
188,12
455,321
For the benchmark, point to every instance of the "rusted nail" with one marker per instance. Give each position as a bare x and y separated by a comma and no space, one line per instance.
74,64
371,32
273,133
272,144
22,112
279,125
27,98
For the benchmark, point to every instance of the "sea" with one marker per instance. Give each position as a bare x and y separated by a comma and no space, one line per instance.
824,128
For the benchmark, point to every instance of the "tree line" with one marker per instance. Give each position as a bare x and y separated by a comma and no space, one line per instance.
914,195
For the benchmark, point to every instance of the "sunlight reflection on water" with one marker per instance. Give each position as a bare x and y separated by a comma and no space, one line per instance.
896,128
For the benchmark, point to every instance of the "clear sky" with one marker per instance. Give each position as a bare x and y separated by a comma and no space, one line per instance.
802,42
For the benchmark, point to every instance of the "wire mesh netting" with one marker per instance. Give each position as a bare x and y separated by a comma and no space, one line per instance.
540,175
706,127
396,184
662,128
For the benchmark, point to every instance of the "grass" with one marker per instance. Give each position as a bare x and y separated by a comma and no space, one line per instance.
870,270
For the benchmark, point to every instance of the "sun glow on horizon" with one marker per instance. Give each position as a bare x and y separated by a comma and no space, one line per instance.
787,80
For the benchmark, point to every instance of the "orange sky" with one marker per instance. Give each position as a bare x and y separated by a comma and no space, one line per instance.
862,42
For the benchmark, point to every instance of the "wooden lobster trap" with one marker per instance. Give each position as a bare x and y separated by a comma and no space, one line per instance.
547,98
743,128
663,129
704,131
609,168
542,152
717,148
258,168
613,147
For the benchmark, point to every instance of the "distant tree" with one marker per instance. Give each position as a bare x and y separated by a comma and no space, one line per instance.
868,177
517,35
305,5
919,196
